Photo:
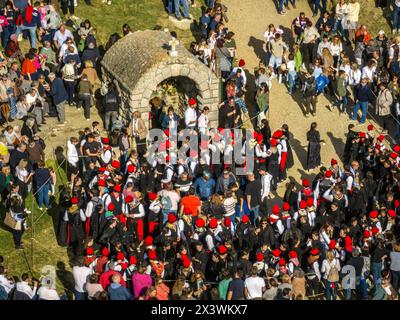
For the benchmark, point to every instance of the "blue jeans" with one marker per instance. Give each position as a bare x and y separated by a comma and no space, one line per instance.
210,3
362,289
185,5
170,6
316,6
396,17
254,215
292,76
338,25
344,101
281,4
364,107
80,295
43,196
376,269
13,103
330,292
32,33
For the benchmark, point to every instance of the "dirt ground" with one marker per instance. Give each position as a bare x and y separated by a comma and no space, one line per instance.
249,20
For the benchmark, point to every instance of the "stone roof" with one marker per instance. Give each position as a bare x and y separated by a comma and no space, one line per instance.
130,57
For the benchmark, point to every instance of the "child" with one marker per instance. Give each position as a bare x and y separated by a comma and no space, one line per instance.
291,74
203,121
43,14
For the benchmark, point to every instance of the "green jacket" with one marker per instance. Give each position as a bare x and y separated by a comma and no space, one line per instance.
341,87
298,60
262,101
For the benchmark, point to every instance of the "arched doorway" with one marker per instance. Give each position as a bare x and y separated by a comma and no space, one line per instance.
140,62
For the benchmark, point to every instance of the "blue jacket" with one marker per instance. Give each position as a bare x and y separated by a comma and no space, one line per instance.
116,291
165,120
204,188
364,94
58,91
35,22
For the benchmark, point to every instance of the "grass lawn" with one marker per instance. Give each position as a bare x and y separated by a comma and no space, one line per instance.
140,15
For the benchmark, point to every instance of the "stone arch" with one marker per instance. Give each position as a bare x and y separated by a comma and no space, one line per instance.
141,61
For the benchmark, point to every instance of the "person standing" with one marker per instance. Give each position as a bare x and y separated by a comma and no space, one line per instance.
59,95
30,23
363,95
353,9
330,268
138,130
254,286
395,266
396,11
384,103
191,114
111,103
15,204
85,95
81,275
253,196
184,3
314,147
42,185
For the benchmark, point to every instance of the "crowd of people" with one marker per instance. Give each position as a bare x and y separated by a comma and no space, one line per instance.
191,228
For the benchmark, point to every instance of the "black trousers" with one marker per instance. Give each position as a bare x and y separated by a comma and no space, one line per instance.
17,235
67,5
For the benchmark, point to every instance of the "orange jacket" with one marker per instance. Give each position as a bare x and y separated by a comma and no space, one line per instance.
28,66
366,38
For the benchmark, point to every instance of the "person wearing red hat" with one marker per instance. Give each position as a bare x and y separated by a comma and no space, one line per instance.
99,264
89,257
106,154
211,233
71,228
155,208
191,114
135,212
306,192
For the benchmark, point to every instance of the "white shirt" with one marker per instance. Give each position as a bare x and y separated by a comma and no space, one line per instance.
48,294
25,288
72,154
5,283
266,185
203,121
254,287
190,115
81,275
61,38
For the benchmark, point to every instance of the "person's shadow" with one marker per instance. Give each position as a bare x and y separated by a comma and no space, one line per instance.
300,151
66,279
258,46
338,143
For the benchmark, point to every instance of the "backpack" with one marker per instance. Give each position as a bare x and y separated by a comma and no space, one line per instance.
333,275
114,138
166,203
